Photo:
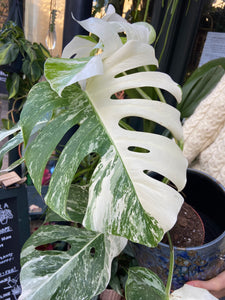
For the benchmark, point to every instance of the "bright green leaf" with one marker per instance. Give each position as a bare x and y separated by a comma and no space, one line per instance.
8,53
12,84
200,84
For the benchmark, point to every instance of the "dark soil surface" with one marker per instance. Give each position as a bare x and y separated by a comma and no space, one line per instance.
189,229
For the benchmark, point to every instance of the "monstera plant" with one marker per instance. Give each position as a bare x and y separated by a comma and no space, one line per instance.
121,202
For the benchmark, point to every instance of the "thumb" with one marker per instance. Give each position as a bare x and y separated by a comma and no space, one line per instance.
215,286
208,285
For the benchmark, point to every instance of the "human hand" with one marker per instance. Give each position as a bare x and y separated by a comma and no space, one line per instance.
215,286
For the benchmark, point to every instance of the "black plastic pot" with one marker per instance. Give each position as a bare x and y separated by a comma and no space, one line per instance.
207,197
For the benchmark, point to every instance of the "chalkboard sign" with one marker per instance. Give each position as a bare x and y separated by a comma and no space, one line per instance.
14,230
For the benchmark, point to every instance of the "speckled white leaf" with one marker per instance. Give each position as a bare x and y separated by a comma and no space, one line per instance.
67,274
121,194
143,284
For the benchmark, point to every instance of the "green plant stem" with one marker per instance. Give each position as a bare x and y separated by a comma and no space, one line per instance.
160,95
143,94
171,267
136,10
124,125
140,91
146,10
166,38
164,21
157,90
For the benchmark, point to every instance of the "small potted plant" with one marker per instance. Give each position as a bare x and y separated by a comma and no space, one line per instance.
121,202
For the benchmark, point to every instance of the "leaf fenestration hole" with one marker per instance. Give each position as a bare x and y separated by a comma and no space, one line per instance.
55,246
138,149
92,251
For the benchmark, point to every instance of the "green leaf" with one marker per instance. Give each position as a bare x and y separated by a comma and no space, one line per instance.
13,165
143,284
12,84
200,84
7,124
7,132
28,48
71,268
35,71
8,53
11,144
44,51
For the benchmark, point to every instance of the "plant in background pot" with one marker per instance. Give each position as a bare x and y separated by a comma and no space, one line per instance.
121,202
22,62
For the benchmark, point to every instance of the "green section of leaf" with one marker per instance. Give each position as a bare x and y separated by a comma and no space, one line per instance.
42,100
144,284
8,53
42,147
51,216
63,72
71,268
92,38
200,84
12,84
77,202
44,51
76,205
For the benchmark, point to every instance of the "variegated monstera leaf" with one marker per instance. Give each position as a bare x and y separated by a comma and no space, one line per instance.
123,200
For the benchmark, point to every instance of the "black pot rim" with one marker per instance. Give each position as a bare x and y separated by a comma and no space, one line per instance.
216,240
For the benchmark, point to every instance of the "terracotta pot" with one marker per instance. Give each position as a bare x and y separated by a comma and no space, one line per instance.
207,196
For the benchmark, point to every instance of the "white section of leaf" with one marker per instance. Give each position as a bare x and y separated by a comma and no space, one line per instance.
188,292
105,32
164,157
79,46
111,15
